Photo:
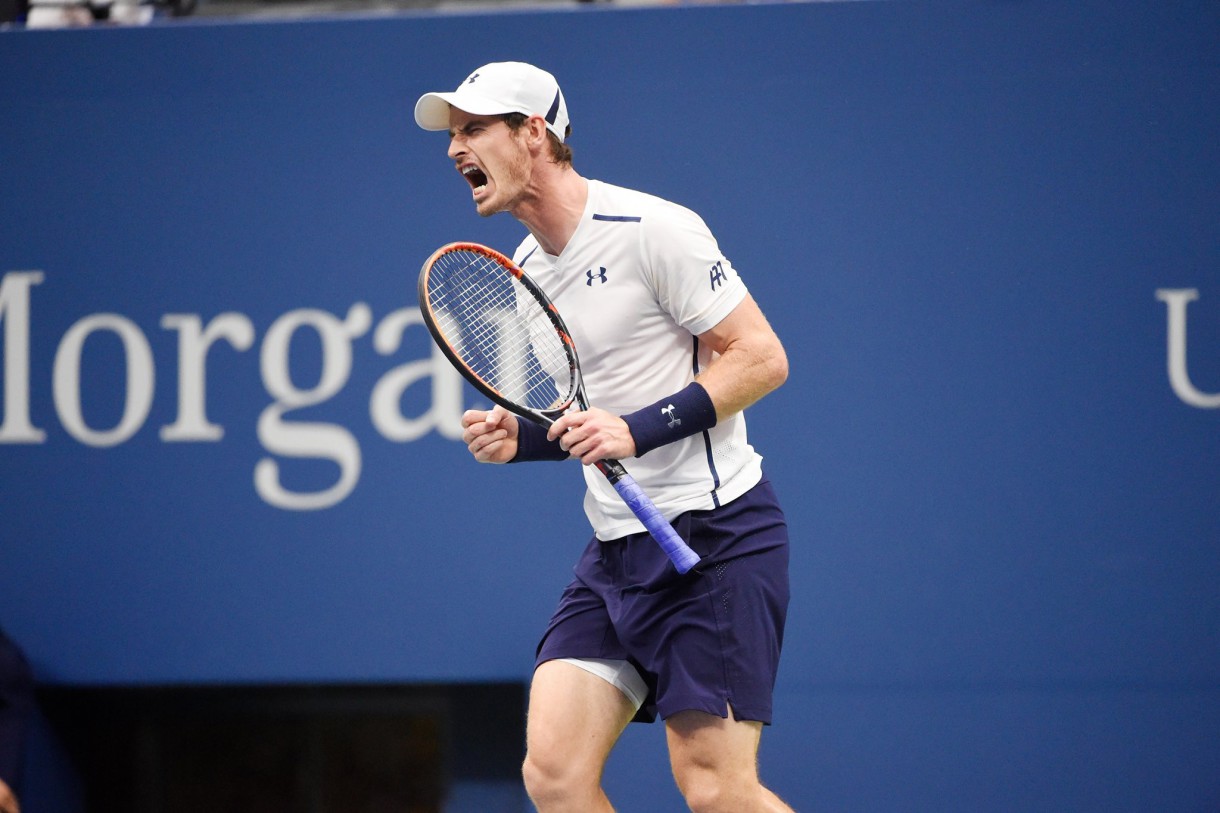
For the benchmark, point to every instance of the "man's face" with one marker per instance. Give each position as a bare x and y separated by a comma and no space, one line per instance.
492,159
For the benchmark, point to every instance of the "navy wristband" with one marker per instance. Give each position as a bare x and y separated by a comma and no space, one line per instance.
687,412
533,445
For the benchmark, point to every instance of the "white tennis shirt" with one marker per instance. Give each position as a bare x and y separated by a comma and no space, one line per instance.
638,281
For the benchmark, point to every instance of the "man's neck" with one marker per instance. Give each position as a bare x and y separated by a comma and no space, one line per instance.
555,210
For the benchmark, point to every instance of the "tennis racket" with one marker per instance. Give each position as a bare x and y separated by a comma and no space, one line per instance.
506,337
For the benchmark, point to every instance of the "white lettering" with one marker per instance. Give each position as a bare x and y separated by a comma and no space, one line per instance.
385,405
308,440
194,341
406,402
66,379
1176,300
15,314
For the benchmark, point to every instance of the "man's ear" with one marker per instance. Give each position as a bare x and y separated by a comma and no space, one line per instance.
537,133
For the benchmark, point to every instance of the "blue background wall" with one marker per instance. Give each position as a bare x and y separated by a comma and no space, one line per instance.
958,216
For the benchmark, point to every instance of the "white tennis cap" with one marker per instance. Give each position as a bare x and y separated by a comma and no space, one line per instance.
495,89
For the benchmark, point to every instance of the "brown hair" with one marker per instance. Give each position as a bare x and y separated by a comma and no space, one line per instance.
561,153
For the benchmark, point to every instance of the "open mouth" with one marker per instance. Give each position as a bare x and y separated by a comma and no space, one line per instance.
474,176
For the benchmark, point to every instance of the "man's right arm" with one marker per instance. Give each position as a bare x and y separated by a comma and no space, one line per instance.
491,436
498,436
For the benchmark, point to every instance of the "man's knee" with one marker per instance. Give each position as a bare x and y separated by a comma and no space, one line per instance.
541,780
550,779
707,791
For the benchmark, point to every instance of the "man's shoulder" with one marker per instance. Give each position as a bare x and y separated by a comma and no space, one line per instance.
611,201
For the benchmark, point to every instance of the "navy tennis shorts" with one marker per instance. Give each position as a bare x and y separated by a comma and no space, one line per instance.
705,640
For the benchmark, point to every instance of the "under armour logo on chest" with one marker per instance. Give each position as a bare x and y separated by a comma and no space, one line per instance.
599,275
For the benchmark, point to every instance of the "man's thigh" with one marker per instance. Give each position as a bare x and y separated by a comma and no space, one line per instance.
718,743
574,716
715,762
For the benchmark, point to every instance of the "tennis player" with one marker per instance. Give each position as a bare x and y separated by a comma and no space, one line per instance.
673,349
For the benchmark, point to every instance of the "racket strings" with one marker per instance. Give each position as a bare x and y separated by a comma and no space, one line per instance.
499,330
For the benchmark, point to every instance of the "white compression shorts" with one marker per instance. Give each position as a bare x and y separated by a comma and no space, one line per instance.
619,674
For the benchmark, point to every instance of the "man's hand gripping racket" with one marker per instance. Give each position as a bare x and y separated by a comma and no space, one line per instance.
502,332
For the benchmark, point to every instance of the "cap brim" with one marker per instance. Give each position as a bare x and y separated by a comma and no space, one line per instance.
432,111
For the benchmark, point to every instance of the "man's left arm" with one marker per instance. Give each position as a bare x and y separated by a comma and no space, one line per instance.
750,363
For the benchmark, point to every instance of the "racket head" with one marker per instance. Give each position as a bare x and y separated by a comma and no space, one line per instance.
500,330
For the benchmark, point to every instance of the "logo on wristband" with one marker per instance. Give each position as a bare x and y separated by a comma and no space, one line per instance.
668,411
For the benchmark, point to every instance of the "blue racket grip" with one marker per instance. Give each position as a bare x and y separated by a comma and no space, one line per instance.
678,551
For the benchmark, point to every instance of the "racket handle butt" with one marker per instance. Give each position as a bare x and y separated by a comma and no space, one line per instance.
683,558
